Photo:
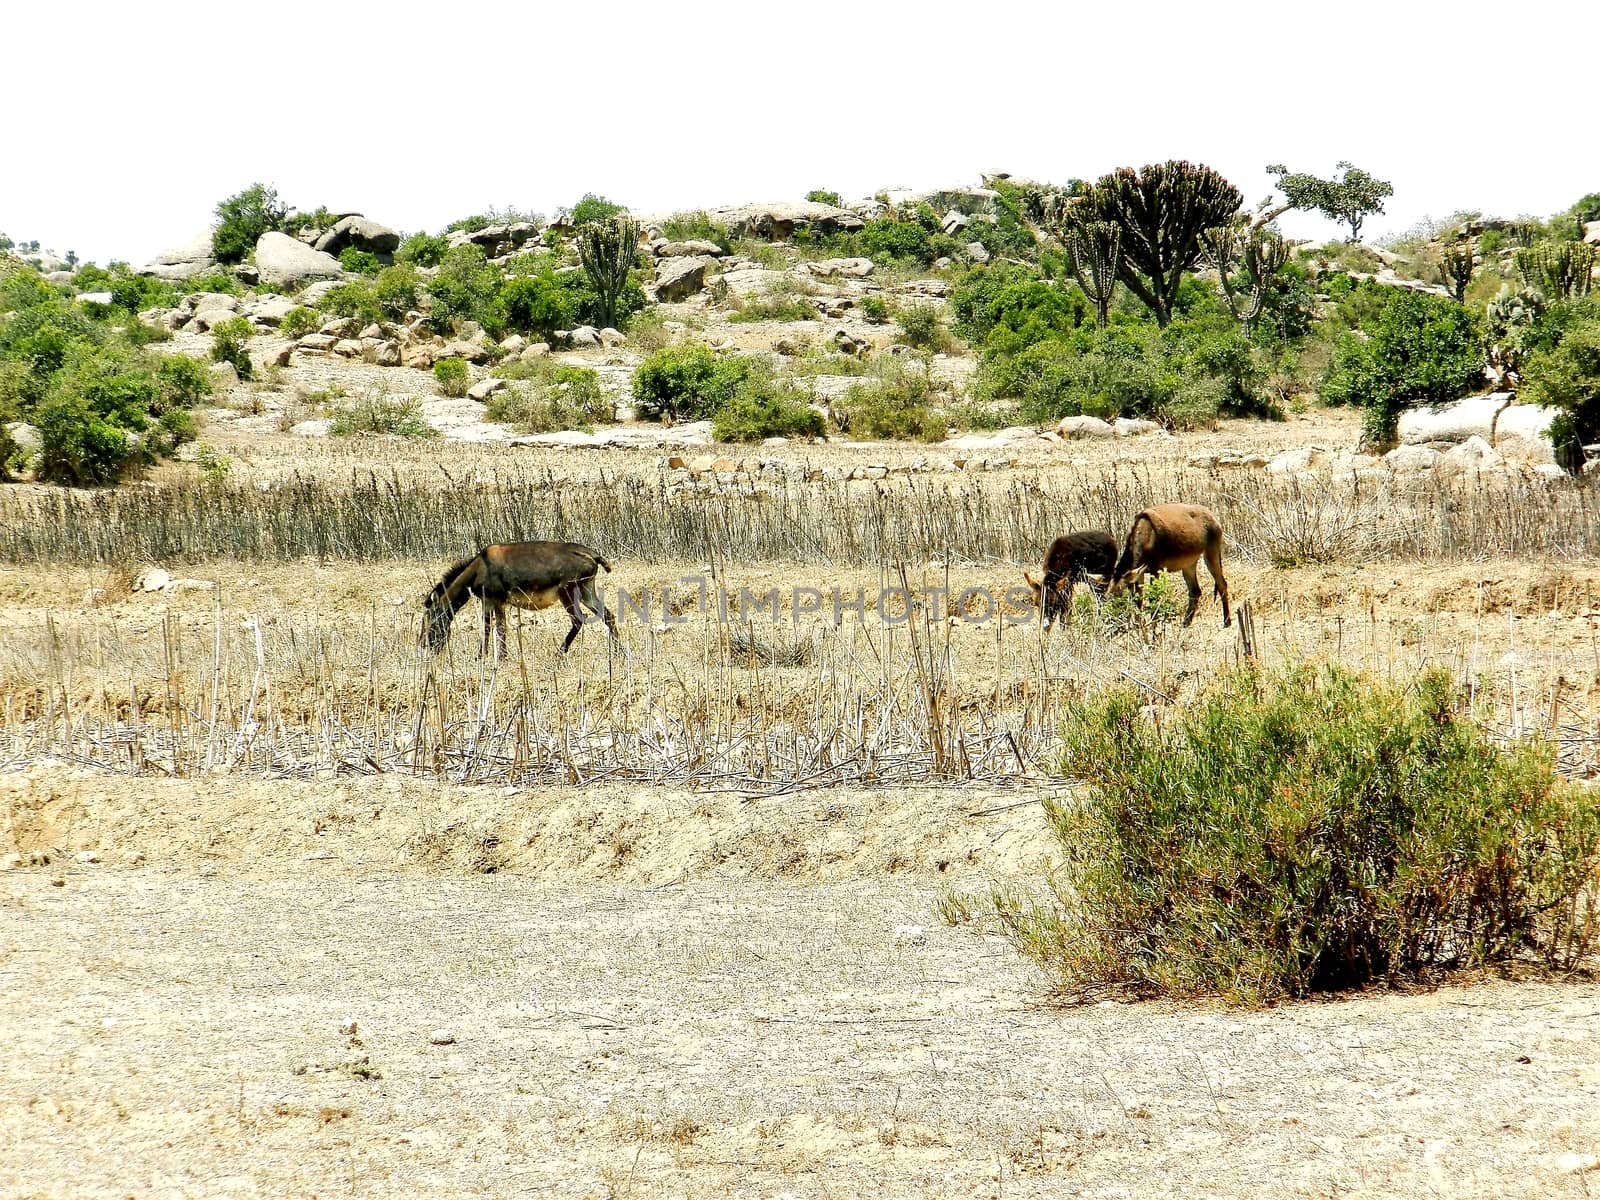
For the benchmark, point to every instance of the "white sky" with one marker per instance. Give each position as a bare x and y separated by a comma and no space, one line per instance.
127,123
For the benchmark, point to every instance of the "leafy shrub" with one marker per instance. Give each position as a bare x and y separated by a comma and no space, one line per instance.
78,446
224,282
541,303
687,382
764,408
228,340
242,219
377,413
299,321
889,239
184,382
819,196
1310,830
1424,349
696,227
594,208
897,404
1007,308
466,288
1564,372
555,397
352,298
422,250
922,327
874,309
782,301
361,262
453,377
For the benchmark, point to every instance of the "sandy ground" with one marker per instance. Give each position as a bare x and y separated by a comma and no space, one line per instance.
183,1033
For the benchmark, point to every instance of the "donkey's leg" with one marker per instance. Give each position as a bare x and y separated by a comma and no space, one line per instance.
590,595
1214,565
1191,576
569,600
488,625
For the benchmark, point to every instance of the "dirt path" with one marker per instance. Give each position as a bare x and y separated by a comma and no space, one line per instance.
179,1034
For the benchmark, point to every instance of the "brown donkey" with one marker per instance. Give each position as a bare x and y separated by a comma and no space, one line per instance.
1174,537
1071,557
530,575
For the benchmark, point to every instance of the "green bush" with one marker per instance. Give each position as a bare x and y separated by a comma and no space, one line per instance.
377,413
453,377
889,239
555,397
1007,308
820,196
1564,372
466,288
1304,831
779,303
1424,349
299,321
922,327
422,250
594,208
875,309
687,382
897,404
361,262
242,219
78,446
696,227
541,303
764,408
184,382
223,282
228,341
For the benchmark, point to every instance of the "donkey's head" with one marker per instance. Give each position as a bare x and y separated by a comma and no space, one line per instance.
437,613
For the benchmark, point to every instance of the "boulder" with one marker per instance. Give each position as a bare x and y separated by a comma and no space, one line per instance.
1292,462
854,268
485,388
976,252
194,257
1523,433
535,352
1472,456
1591,232
317,292
612,338
584,337
1134,427
470,351
224,374
386,354
286,262
777,222
1405,459
247,274
1085,427
688,249
358,232
954,222
680,277
317,341
270,311
24,436
513,345
207,318
1472,416
195,301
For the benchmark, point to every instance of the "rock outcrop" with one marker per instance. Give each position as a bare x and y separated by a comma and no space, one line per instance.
287,263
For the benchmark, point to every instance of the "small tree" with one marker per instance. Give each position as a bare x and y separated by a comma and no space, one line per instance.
242,219
1162,211
1456,264
594,208
1350,199
1095,252
608,250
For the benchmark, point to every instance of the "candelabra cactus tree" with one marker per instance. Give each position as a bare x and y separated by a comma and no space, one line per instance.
1561,270
608,249
1456,264
1162,212
1095,253
1245,259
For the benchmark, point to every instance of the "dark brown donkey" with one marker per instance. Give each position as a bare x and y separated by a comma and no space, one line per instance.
1071,557
1174,537
531,575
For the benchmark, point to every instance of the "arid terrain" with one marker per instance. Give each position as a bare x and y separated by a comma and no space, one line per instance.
293,909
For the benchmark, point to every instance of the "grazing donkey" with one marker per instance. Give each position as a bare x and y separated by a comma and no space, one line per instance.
530,575
1174,537
1074,556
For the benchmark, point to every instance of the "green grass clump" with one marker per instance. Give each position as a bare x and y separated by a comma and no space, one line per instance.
1309,830
552,397
453,376
400,416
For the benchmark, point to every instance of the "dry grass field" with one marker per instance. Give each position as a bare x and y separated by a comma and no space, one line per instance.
674,905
